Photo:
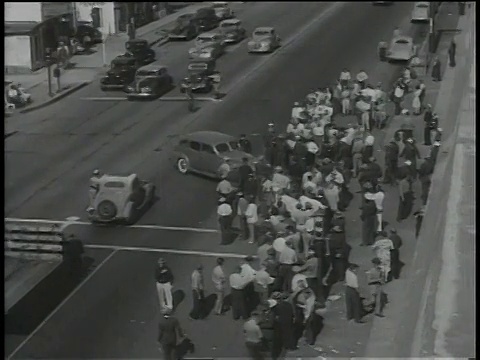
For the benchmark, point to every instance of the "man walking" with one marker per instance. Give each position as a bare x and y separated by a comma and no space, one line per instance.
164,279
382,248
198,310
287,258
170,334
254,337
395,253
237,286
224,212
219,280
189,94
392,151
376,279
352,296
424,174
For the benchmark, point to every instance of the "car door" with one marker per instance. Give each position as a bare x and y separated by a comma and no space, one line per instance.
209,159
192,151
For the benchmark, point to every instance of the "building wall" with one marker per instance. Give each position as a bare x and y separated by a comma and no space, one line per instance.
23,11
84,10
18,58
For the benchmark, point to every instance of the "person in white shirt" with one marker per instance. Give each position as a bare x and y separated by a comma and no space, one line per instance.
262,282
299,282
93,189
237,286
345,77
219,281
224,168
309,186
280,180
298,112
224,212
366,120
362,78
225,189
252,218
254,337
295,127
287,258
382,247
346,106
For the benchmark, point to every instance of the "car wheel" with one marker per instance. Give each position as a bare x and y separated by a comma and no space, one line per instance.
182,165
107,210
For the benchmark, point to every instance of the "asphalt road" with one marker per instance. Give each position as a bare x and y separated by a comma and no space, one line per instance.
47,168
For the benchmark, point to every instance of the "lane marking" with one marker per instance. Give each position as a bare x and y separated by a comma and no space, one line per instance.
39,327
106,98
166,251
86,223
182,98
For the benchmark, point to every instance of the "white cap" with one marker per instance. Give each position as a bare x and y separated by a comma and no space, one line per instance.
96,172
436,143
439,129
408,162
405,112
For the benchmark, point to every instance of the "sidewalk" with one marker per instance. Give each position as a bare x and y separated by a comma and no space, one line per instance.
87,67
392,335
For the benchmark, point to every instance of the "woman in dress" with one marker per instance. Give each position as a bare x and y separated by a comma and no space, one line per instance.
416,103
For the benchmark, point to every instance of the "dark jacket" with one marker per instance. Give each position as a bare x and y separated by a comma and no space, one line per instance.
163,275
245,170
410,152
367,153
368,209
167,330
396,240
426,169
392,151
245,145
283,313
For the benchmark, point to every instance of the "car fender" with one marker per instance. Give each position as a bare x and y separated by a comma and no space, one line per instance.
127,210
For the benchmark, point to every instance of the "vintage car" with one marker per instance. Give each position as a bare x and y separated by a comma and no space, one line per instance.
421,12
198,76
232,31
151,81
120,199
122,72
207,46
140,50
185,28
264,39
203,152
401,49
206,19
222,10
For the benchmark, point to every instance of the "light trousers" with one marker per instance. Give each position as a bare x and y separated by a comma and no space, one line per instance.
165,295
219,301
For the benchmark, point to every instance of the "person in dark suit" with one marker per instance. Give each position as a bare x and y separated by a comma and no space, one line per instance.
244,171
283,326
395,253
245,144
170,334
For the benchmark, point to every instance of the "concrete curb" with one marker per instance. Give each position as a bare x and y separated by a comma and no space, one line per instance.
56,98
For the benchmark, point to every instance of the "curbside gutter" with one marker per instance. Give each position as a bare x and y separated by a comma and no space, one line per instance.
56,98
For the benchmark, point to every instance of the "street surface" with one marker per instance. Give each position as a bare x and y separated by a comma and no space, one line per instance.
115,313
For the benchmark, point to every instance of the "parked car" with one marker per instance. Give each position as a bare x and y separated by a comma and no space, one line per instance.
121,199
421,12
140,50
232,30
203,152
185,28
206,19
198,76
401,49
207,46
122,72
151,81
84,30
222,10
264,39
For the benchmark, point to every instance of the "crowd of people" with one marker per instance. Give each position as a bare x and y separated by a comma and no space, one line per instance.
292,204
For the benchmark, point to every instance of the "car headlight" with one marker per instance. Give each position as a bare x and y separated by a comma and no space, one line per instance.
146,89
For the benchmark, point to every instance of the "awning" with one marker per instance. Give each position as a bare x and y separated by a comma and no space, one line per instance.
20,27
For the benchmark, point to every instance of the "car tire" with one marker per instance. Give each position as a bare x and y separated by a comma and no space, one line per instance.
182,166
106,210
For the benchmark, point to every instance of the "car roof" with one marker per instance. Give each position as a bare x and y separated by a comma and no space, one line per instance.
125,179
263,28
422,3
219,2
152,67
209,137
124,60
231,21
408,38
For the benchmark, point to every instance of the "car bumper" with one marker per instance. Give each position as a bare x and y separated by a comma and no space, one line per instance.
141,96
420,19
231,40
112,86
198,57
97,219
177,37
254,49
397,58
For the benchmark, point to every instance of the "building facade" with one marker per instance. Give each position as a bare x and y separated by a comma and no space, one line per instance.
33,29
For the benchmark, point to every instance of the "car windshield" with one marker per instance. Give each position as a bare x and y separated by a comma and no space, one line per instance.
147,73
261,33
221,148
422,6
233,145
205,39
401,42
197,66
114,184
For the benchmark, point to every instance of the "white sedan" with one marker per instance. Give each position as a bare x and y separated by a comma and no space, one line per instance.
401,49
421,12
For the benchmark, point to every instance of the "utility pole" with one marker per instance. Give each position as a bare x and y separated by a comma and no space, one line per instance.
131,20
48,59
